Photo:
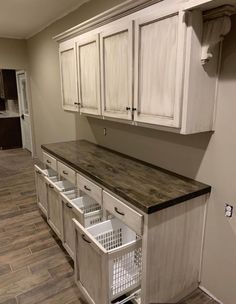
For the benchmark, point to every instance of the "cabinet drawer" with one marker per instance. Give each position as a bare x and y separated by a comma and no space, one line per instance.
123,212
90,188
66,172
50,161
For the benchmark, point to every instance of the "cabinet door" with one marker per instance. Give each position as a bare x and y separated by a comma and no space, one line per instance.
116,68
41,189
54,210
159,54
88,74
68,229
68,76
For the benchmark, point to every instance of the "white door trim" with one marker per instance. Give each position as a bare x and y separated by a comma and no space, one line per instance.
28,93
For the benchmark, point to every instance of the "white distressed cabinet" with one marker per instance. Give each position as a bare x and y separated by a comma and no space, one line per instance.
116,70
54,210
41,190
158,73
69,90
88,68
158,67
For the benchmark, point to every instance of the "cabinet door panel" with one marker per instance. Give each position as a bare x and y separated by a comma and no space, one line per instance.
68,76
54,211
68,228
158,69
116,60
88,74
41,193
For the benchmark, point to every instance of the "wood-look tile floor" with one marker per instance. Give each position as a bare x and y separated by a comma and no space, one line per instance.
34,268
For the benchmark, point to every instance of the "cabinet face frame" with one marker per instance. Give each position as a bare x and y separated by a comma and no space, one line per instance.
64,47
120,27
41,190
174,121
85,40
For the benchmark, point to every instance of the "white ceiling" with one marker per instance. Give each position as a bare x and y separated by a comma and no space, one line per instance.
24,18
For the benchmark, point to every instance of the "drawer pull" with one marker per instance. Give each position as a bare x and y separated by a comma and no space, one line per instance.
117,211
38,172
64,172
50,186
68,205
84,238
48,161
87,188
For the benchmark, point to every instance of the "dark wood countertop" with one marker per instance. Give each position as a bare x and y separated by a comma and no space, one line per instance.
143,185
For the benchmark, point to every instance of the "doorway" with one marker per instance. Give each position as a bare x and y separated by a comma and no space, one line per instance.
24,110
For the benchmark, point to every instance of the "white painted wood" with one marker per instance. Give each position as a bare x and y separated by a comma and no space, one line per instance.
89,188
200,82
116,69
172,241
129,216
159,68
24,109
54,210
66,172
41,190
125,8
68,237
67,56
88,68
50,161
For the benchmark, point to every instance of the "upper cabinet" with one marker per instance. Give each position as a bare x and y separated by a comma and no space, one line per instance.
88,70
157,66
67,56
116,70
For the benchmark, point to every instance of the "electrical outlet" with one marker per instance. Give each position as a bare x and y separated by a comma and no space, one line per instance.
228,210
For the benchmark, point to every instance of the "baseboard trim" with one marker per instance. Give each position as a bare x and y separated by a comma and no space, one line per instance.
210,294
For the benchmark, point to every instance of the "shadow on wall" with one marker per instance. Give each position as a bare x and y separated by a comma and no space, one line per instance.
182,154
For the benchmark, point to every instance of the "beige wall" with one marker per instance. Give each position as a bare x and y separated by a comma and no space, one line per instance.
207,157
51,123
13,54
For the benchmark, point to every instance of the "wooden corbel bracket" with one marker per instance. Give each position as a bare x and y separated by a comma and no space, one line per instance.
216,26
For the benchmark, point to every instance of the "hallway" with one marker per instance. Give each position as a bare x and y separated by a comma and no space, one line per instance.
34,268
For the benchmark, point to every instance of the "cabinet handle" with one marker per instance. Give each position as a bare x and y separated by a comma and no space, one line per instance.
127,108
77,103
117,211
48,161
38,172
50,186
68,205
64,172
134,109
84,238
87,188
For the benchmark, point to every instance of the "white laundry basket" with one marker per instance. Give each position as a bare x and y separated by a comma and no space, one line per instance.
118,249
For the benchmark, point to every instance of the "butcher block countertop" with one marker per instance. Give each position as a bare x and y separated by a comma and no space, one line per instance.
145,186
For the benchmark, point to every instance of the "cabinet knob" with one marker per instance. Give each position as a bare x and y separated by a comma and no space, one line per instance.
50,186
64,172
77,103
134,109
48,161
117,211
68,205
87,188
84,238
127,108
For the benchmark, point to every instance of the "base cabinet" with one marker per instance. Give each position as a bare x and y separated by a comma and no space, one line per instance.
68,238
41,188
54,210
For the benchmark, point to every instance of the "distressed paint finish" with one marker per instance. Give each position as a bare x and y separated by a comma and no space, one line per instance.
146,186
